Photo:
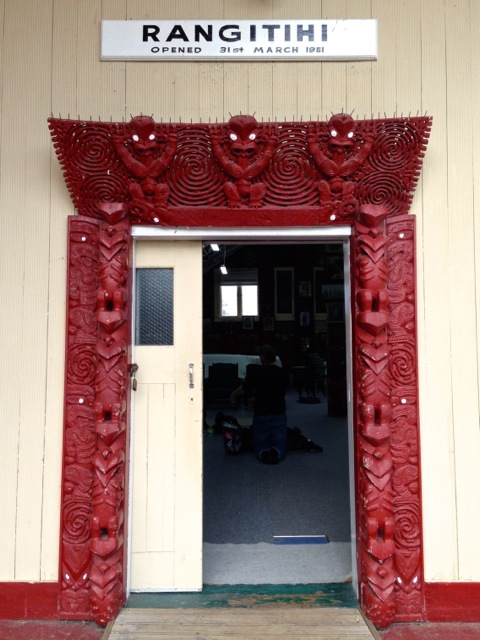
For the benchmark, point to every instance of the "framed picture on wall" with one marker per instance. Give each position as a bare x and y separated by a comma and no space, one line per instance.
305,318
284,305
305,289
247,322
268,324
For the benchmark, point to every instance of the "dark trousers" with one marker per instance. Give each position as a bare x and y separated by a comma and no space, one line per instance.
270,432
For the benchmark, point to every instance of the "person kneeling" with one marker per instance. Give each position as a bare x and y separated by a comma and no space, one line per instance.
268,384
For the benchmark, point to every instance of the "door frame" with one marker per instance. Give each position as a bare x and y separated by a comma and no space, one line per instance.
340,235
234,175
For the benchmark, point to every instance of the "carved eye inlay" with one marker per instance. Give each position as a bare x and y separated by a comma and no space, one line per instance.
135,138
233,136
350,134
333,133
252,136
151,136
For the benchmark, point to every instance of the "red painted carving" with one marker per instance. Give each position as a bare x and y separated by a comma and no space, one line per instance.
79,434
146,153
92,583
302,171
374,467
242,173
243,158
344,156
405,436
111,387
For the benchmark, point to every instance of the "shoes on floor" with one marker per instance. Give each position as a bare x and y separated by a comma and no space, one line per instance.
265,457
274,456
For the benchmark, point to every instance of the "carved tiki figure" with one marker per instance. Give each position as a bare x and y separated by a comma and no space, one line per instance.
146,155
338,161
246,154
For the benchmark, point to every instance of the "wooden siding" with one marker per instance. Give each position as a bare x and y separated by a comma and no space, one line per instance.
49,57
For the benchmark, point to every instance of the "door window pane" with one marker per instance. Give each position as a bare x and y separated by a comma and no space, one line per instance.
154,307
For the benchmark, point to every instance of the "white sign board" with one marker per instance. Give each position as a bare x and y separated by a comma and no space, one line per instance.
223,40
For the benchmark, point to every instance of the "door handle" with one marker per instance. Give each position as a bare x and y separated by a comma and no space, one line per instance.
133,368
191,367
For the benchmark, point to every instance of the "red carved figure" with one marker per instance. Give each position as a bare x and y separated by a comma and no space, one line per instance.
342,156
243,159
146,155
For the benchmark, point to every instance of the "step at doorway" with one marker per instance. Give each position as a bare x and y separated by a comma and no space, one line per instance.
249,624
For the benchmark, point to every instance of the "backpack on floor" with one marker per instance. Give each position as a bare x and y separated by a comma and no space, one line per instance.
232,438
237,439
296,441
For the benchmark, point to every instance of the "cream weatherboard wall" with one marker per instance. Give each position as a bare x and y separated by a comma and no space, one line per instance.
49,63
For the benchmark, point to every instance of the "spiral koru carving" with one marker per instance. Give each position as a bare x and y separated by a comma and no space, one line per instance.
407,529
384,188
82,364
90,149
291,176
396,145
76,519
193,178
102,188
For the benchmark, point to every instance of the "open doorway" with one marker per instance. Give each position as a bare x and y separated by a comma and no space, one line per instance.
371,195
291,523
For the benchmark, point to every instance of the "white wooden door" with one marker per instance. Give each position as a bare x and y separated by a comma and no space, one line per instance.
166,443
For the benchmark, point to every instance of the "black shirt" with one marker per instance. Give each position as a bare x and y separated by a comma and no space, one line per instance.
269,384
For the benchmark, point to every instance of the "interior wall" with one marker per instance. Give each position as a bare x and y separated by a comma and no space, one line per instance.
316,326
291,336
49,55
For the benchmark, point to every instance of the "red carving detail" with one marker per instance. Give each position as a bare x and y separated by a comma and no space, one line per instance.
281,174
194,174
343,156
107,540
146,153
243,157
405,436
375,511
79,429
95,417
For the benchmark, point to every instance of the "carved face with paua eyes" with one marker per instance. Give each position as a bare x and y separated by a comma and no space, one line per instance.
341,128
143,134
243,133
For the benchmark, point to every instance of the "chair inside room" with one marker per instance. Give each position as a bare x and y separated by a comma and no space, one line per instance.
304,382
222,380
319,365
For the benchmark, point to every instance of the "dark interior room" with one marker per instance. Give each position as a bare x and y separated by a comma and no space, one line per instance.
291,296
